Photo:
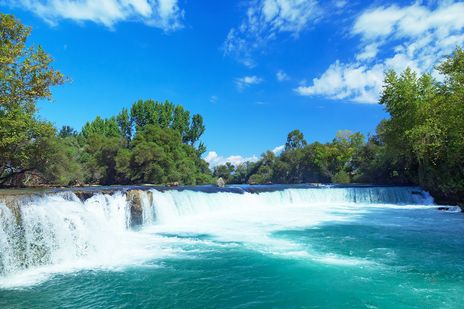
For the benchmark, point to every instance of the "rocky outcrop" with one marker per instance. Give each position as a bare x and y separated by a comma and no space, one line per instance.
13,199
14,202
15,210
84,195
134,199
220,182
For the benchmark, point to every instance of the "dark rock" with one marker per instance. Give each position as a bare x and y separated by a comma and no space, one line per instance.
84,195
134,198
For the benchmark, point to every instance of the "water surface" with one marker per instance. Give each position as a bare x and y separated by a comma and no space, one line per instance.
367,247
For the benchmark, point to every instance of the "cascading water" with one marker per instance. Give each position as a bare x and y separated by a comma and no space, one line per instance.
171,204
60,229
244,246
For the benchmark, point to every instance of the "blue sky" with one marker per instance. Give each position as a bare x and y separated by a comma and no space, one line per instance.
254,69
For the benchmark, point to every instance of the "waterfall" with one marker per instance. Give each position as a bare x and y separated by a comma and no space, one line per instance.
56,228
60,228
169,205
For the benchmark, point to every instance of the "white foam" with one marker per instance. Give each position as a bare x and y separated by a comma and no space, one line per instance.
61,234
251,219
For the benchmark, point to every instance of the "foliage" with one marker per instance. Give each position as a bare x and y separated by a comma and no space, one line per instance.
153,143
295,140
422,142
67,131
25,72
25,76
425,133
150,142
300,162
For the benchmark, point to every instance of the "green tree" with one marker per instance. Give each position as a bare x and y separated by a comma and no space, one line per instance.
315,163
125,125
165,113
225,171
26,75
101,127
143,113
295,140
181,122
425,133
197,129
67,131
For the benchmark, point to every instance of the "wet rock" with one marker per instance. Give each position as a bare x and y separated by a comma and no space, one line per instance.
443,208
220,182
150,197
84,195
134,198
14,203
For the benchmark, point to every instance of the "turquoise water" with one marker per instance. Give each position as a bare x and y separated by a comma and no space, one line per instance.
279,250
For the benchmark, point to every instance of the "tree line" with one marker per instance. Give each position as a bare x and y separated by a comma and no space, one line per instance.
422,141
151,142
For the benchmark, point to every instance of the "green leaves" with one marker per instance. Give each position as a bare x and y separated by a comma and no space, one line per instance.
197,129
158,156
151,144
26,75
425,133
295,140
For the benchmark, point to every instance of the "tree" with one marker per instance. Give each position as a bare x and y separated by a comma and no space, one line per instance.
224,171
295,140
181,121
425,133
197,129
125,125
67,131
143,113
165,113
101,127
26,75
315,163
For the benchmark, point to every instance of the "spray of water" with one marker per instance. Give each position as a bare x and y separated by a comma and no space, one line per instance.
60,233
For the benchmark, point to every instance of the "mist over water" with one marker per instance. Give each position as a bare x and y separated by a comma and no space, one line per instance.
354,246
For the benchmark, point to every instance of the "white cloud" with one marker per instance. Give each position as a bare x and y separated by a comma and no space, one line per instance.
246,81
282,76
214,159
213,99
342,81
411,21
264,20
340,4
369,52
278,149
414,36
164,14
